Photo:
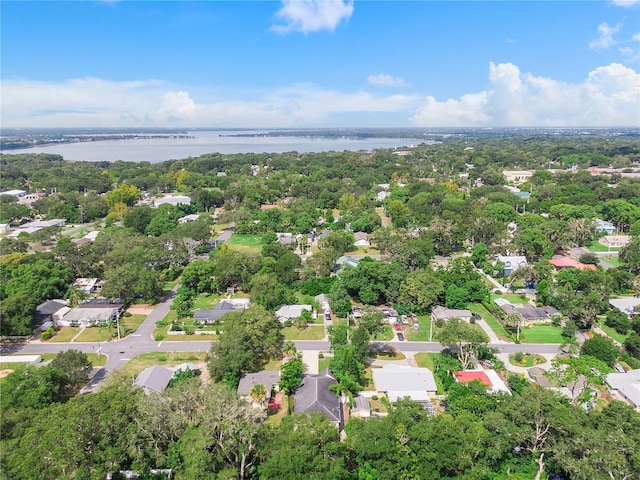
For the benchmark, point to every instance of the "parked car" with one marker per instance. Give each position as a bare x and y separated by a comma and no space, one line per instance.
400,337
397,327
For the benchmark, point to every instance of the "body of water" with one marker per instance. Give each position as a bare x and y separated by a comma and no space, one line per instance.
156,150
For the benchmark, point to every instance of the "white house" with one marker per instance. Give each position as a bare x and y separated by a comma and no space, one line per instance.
442,313
291,312
512,263
172,200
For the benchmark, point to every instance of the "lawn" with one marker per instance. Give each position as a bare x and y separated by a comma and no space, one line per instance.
65,334
323,363
205,302
420,335
139,363
541,334
96,334
245,242
426,360
596,246
492,321
527,360
612,260
390,355
511,298
386,334
610,331
312,332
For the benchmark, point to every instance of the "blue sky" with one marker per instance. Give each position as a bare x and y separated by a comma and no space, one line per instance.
313,63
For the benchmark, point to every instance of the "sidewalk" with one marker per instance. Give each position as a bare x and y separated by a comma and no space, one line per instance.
504,357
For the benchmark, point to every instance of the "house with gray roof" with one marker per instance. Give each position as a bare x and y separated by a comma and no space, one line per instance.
626,386
530,313
210,315
269,378
626,305
154,379
400,381
291,312
512,263
442,313
313,395
45,311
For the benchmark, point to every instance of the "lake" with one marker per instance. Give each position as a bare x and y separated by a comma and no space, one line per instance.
156,150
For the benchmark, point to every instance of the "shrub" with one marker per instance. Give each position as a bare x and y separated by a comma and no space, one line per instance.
189,330
321,355
518,357
161,323
175,327
374,397
158,337
288,323
46,335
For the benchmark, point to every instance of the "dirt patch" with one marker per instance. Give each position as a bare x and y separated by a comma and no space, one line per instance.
140,309
4,373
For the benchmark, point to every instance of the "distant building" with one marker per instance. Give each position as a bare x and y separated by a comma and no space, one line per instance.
512,263
487,377
346,261
517,176
442,313
605,226
530,313
626,386
615,241
172,200
14,193
626,305
189,218
361,239
291,312
313,395
567,262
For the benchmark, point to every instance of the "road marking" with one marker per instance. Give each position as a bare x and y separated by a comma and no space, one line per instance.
135,335
160,343
124,359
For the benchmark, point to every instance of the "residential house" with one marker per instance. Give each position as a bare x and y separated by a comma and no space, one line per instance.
269,378
345,261
172,200
14,193
400,381
488,378
88,317
517,176
271,207
4,228
323,300
361,239
154,379
209,316
537,374
284,238
313,395
50,312
567,262
626,386
512,263
361,407
442,313
615,241
605,226
530,313
628,305
189,218
88,285
291,312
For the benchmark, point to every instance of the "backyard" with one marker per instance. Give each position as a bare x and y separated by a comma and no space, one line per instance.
139,363
610,331
312,332
492,321
541,334
510,298
252,243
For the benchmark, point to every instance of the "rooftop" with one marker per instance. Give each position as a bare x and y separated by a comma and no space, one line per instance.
400,378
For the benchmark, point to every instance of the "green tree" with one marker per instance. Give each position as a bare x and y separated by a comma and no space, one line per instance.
465,338
579,374
421,289
127,194
291,374
75,365
249,340
199,276
602,348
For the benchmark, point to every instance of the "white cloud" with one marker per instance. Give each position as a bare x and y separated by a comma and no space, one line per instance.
308,16
625,3
607,97
605,37
386,80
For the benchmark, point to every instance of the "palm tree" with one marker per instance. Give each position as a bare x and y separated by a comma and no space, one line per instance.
258,393
289,349
74,295
515,319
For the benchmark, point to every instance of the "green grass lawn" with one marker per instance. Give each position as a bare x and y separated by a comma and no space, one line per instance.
128,325
386,334
95,359
65,334
96,334
139,363
248,242
527,360
615,261
323,363
596,246
426,360
420,335
492,321
541,334
387,355
610,331
312,332
206,301
511,298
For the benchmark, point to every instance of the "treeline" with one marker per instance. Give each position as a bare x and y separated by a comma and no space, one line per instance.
209,432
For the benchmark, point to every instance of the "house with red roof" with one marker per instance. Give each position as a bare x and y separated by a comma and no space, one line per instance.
568,262
489,378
